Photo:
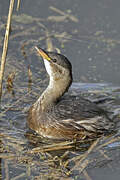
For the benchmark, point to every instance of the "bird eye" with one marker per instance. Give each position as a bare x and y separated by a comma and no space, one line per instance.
54,60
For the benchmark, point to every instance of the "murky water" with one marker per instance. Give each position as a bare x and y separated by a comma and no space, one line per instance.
88,34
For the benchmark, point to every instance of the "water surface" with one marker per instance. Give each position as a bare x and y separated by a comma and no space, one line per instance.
88,33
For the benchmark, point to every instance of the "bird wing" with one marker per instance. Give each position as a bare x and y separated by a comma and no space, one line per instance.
76,113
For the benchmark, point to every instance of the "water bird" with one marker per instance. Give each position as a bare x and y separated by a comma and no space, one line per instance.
58,116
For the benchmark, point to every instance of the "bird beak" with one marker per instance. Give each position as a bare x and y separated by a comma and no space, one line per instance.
43,53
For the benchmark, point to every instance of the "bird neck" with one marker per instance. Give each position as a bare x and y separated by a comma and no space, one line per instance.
55,89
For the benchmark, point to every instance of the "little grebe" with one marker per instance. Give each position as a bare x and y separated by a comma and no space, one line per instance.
67,117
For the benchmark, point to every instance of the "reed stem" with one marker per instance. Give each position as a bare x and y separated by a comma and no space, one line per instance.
5,45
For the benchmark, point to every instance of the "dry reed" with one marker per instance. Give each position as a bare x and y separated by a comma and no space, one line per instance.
18,5
5,46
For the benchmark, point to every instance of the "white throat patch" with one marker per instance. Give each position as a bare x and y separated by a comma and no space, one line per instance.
48,67
49,71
